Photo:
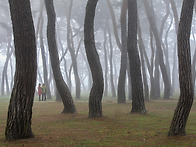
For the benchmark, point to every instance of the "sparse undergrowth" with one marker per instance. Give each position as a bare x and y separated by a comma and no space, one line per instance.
116,128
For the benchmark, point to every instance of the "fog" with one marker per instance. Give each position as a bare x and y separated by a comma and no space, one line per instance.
104,38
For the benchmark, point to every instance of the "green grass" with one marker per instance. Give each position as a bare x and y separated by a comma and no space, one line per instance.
117,127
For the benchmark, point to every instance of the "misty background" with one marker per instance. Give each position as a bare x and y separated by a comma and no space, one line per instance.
106,43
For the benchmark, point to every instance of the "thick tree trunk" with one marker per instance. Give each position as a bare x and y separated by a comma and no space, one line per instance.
21,101
138,105
123,66
62,87
95,98
183,108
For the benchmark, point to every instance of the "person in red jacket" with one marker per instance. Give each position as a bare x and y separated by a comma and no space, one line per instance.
39,91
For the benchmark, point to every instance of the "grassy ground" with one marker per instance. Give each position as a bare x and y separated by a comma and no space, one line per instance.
117,127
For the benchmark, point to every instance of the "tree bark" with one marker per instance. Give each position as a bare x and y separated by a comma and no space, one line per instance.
62,87
95,98
123,66
21,101
183,108
138,105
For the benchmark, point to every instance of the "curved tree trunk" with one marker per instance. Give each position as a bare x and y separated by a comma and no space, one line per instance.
21,101
123,66
183,108
62,87
95,98
138,105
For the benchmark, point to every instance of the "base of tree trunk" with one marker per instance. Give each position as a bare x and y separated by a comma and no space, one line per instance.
69,111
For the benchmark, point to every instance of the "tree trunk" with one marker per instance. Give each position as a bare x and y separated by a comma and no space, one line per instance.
111,62
21,101
142,48
138,105
95,98
114,24
4,73
62,87
123,65
183,108
106,63
149,12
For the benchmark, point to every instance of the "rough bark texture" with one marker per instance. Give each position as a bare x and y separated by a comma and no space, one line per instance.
95,98
138,105
123,66
62,87
21,101
183,108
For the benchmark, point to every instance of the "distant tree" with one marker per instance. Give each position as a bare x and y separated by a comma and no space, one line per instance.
95,98
159,60
43,53
62,87
138,105
183,108
72,52
21,101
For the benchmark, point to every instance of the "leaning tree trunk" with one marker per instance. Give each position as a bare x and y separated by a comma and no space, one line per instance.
183,108
95,98
123,66
62,87
21,101
138,105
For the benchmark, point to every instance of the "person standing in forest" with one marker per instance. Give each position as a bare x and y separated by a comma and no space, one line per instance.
39,89
43,92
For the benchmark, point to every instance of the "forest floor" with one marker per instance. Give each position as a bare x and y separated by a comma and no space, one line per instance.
117,128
